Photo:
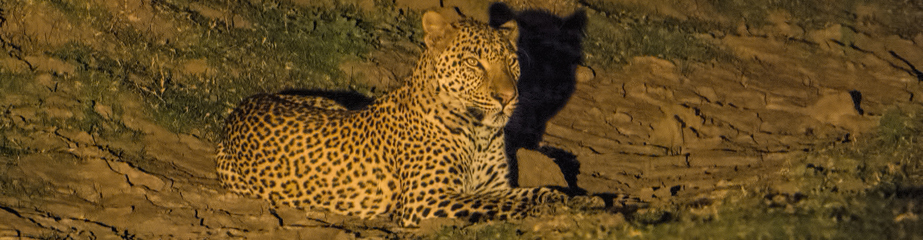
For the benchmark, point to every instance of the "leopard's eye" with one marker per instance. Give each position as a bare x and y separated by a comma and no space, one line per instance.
473,62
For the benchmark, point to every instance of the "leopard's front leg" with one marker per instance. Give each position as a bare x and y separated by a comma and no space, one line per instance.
500,204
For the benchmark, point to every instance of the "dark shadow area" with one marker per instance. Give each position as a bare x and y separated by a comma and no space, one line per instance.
348,99
549,53
857,101
621,203
569,165
905,192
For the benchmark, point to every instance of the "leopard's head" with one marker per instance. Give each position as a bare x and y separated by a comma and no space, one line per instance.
473,66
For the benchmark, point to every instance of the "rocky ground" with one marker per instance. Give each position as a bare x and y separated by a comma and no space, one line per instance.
722,119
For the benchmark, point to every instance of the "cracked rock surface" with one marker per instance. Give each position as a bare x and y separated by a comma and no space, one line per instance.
83,161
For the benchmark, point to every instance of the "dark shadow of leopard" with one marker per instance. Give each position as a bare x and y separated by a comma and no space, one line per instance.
549,52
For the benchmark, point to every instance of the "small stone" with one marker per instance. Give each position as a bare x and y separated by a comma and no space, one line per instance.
618,118
536,170
46,80
585,74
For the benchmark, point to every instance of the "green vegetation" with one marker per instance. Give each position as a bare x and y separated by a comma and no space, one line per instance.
286,46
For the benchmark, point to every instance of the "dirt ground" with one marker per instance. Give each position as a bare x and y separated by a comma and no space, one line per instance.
110,110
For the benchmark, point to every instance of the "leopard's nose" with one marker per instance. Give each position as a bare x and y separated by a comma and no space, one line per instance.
504,88
504,97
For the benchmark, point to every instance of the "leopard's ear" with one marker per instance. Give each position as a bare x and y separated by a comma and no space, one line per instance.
436,29
511,30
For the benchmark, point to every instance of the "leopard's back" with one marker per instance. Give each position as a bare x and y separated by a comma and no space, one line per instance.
296,153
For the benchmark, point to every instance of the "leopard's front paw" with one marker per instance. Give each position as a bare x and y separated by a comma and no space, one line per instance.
553,196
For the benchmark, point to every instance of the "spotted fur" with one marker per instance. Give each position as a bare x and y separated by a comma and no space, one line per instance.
432,148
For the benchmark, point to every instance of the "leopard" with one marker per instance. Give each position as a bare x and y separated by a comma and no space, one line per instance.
431,148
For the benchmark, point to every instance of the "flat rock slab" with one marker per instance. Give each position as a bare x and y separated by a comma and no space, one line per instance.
537,170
